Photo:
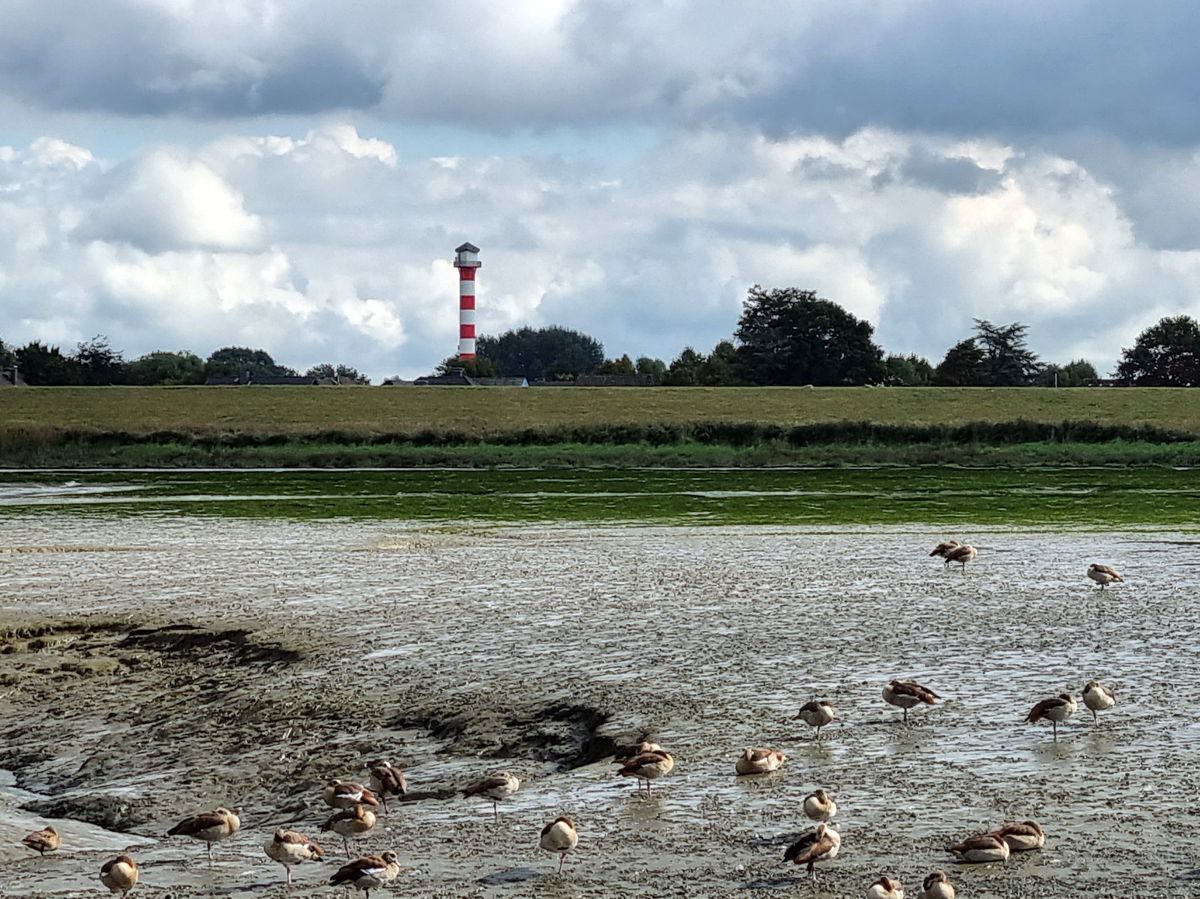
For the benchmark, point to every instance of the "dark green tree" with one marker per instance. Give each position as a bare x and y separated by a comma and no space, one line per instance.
554,353
7,355
231,361
168,369
343,374
685,369
1166,354
1074,374
479,367
98,363
622,366
720,367
46,366
908,371
965,365
648,365
790,336
1009,362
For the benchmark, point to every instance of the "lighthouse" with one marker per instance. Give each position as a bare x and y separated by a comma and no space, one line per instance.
466,260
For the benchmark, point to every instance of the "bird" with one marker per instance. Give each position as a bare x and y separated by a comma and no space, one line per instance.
119,874
1103,574
343,794
1022,836
820,845
886,888
980,849
291,848
499,786
1058,709
819,806
937,886
350,823
370,872
559,836
944,547
817,714
906,694
1098,697
387,780
210,827
759,761
625,753
43,841
963,553
648,766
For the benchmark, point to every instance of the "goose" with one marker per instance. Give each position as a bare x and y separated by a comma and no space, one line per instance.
981,849
43,841
289,847
119,874
342,794
648,766
886,888
1098,698
1058,709
559,836
820,845
944,547
906,694
819,806
817,714
387,780
962,554
210,827
759,761
369,872
350,823
497,787
1103,574
625,753
937,886
1023,836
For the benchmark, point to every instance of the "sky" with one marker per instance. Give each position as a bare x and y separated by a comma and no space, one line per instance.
295,174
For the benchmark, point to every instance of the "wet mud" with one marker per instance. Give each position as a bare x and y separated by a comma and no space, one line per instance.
166,666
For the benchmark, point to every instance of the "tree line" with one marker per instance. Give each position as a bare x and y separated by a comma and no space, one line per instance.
784,336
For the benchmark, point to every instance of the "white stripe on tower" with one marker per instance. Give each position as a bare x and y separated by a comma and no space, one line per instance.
466,261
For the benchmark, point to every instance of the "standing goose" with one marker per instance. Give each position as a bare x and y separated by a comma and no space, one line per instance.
625,753
906,694
350,823
210,827
119,874
387,780
819,806
944,547
980,849
937,886
496,788
1103,574
43,841
962,554
817,714
648,766
559,836
819,846
370,872
886,888
1021,836
342,794
289,847
759,761
1058,709
1098,698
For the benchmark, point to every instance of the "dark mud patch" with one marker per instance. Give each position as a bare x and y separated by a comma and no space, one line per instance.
240,645
110,812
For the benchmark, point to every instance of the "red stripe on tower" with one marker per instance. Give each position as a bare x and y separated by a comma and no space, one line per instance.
466,260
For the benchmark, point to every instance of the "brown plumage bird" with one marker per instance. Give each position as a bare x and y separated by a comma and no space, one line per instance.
1057,709
906,694
119,874
961,554
344,794
648,766
210,827
1103,574
289,847
820,845
387,780
43,841
625,753
1098,698
819,806
937,886
944,547
886,888
1021,836
496,788
370,872
559,836
348,823
817,714
759,761
981,849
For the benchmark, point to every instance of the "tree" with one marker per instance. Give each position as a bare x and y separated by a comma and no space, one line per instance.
965,365
790,336
655,368
46,366
622,366
554,352
685,369
720,368
479,367
908,371
1166,354
1009,362
7,355
170,369
231,361
99,364
1074,374
343,374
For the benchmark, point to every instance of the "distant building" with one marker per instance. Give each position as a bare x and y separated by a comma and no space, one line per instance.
10,377
249,379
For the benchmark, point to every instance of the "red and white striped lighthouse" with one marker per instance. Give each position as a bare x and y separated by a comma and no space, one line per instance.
466,260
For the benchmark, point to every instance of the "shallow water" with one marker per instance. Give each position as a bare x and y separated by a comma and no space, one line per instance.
707,637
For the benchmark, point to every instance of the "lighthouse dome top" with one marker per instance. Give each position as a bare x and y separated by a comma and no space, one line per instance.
467,248
467,256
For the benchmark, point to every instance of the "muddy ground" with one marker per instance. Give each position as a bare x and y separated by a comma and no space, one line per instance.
154,668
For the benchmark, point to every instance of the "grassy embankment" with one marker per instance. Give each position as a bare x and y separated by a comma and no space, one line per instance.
301,426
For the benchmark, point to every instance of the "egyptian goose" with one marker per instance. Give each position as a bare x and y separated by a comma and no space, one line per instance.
1058,709
817,714
625,753
886,888
906,694
759,761
1103,575
648,766
119,874
343,794
559,836
962,554
497,787
370,872
819,846
291,848
819,806
1023,836
944,547
43,841
387,780
1098,698
210,827
981,849
350,823
937,886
